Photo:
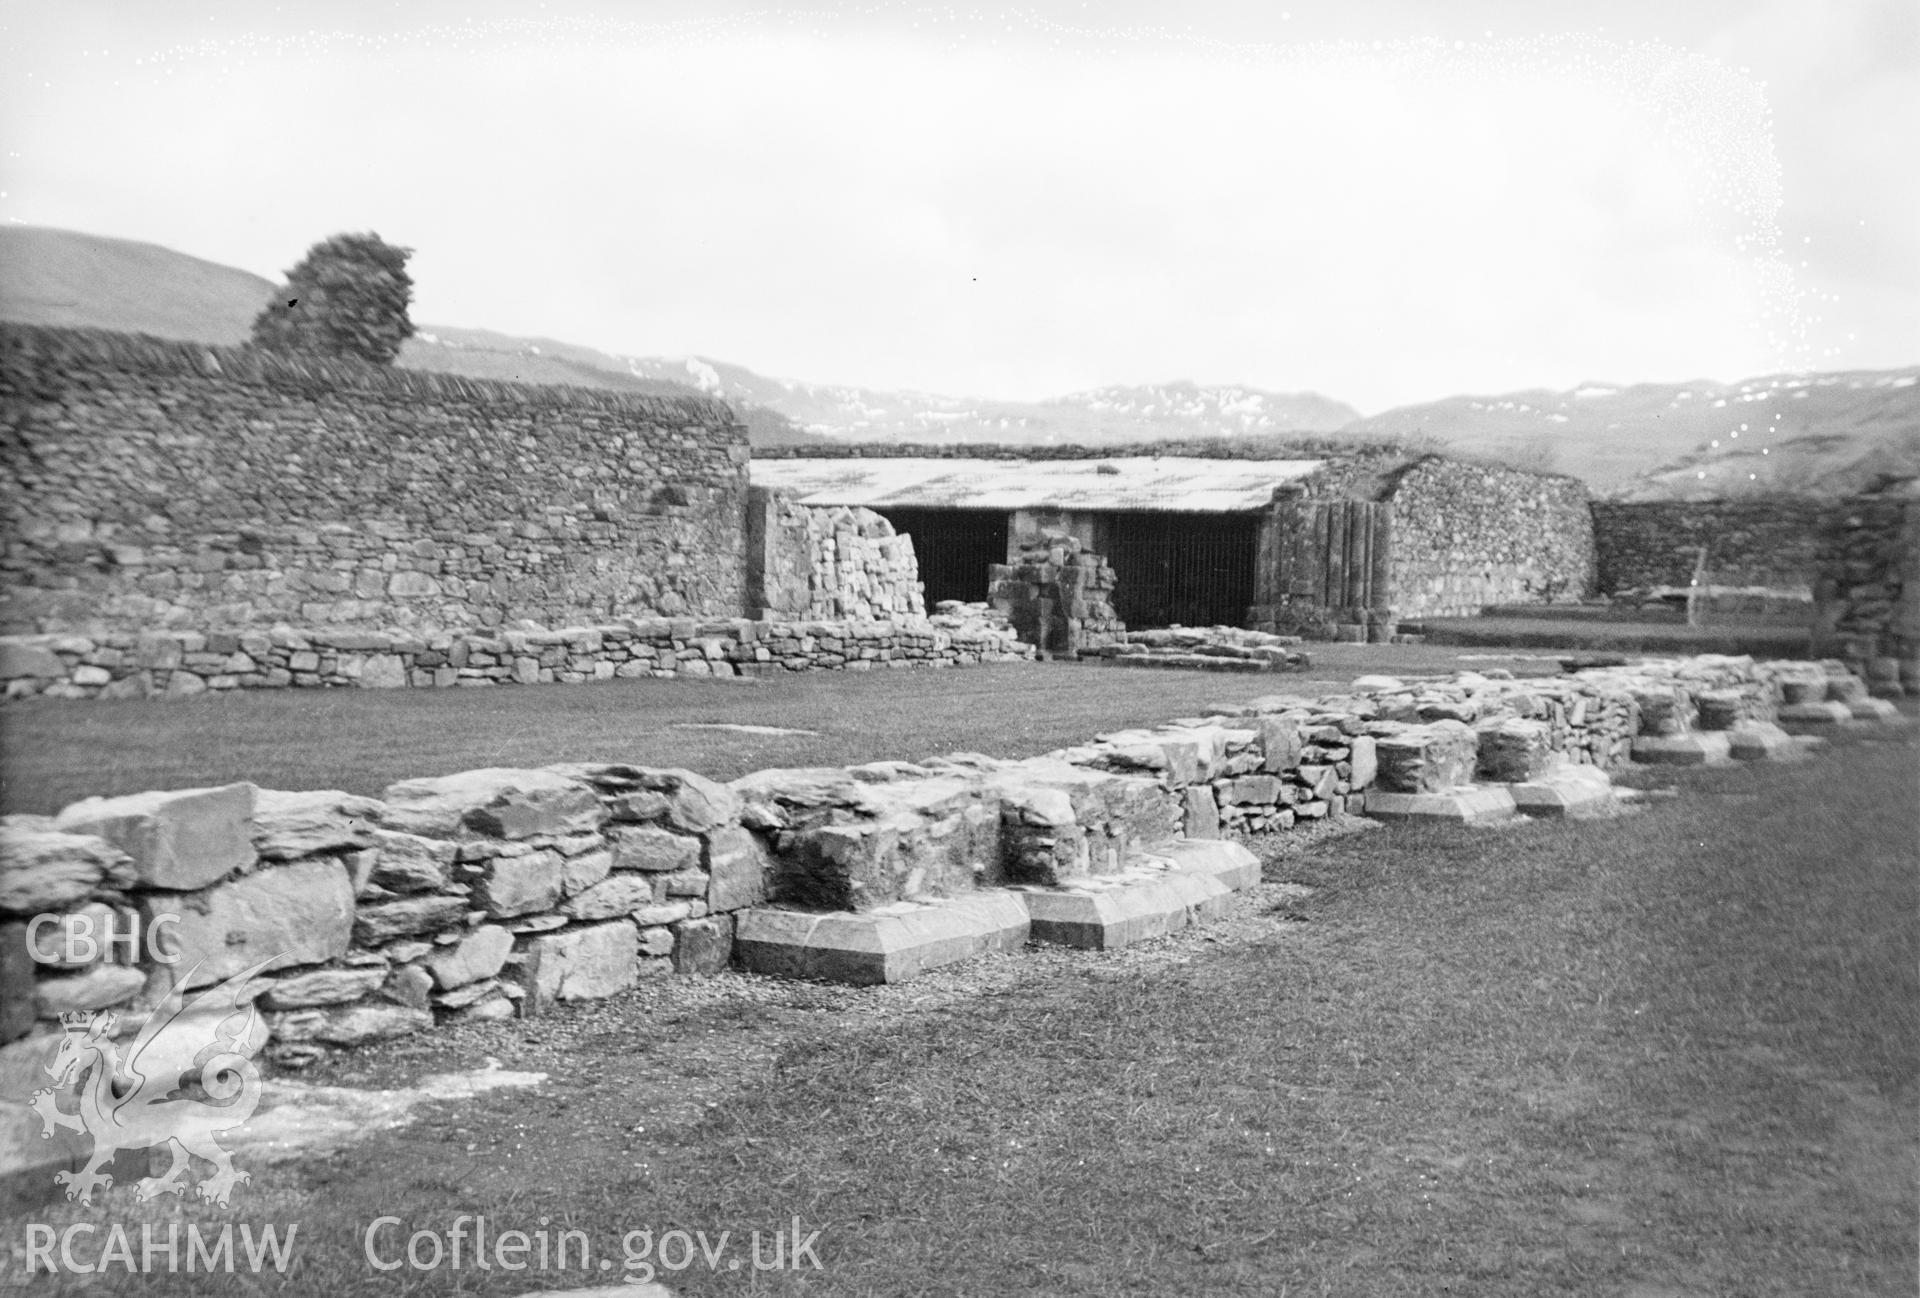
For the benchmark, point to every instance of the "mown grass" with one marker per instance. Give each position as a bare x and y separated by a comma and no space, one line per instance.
53,752
1671,1053
1761,639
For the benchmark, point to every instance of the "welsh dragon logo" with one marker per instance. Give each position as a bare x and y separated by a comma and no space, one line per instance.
147,1099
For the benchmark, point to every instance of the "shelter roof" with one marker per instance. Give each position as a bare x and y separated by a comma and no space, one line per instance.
1163,483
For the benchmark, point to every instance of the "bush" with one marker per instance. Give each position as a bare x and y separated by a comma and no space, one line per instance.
347,297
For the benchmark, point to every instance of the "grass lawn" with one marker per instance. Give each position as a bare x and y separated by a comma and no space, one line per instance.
53,752
1672,1053
1761,639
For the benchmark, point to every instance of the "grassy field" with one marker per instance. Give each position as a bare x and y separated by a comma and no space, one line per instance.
1762,640
54,752
1672,1053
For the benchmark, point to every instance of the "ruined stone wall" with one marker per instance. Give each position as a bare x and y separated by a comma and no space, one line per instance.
173,485
494,893
1056,594
1468,535
1644,544
1867,594
828,563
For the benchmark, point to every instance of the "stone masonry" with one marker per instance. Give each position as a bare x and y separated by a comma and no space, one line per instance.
174,486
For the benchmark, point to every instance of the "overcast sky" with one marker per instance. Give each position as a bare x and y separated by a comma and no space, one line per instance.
1382,200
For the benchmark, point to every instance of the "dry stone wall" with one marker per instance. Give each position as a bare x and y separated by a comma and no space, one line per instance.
504,892
1867,595
165,485
829,563
188,663
1641,545
1467,535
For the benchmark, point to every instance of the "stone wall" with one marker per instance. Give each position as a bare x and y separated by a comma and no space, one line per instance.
501,892
1057,595
172,485
1867,594
828,563
186,663
1645,544
1467,535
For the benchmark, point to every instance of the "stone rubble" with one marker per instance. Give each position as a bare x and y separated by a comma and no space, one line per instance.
1215,649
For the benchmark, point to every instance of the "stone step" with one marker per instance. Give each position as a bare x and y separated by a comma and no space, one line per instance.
1151,899
1565,791
1156,893
1699,748
887,945
1470,804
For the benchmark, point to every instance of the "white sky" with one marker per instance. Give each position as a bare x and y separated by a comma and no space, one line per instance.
1384,201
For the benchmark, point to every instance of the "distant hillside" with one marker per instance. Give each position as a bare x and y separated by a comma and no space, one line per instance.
1813,433
60,277
1821,433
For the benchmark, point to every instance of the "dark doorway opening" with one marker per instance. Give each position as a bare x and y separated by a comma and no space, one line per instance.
1193,569
953,548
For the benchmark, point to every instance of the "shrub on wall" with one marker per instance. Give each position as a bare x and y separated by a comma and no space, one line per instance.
347,297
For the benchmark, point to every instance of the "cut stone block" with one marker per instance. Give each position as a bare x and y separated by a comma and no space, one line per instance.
703,946
1803,689
1664,709
1467,803
1564,791
1815,714
1427,759
736,870
301,912
1865,709
1515,750
579,964
1698,748
1230,863
1101,914
179,841
1201,812
510,886
1760,741
886,946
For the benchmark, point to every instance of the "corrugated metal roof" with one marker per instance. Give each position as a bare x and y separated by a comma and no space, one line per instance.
1166,483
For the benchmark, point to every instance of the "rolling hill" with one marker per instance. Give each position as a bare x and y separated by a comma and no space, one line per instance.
1824,434
1806,433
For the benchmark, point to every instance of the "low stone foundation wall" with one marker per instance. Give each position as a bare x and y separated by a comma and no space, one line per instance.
501,892
181,664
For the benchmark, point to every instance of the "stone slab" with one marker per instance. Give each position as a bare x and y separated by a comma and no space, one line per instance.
1824,713
1215,858
1696,748
1564,791
1761,741
1469,804
885,946
1104,914
1875,710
